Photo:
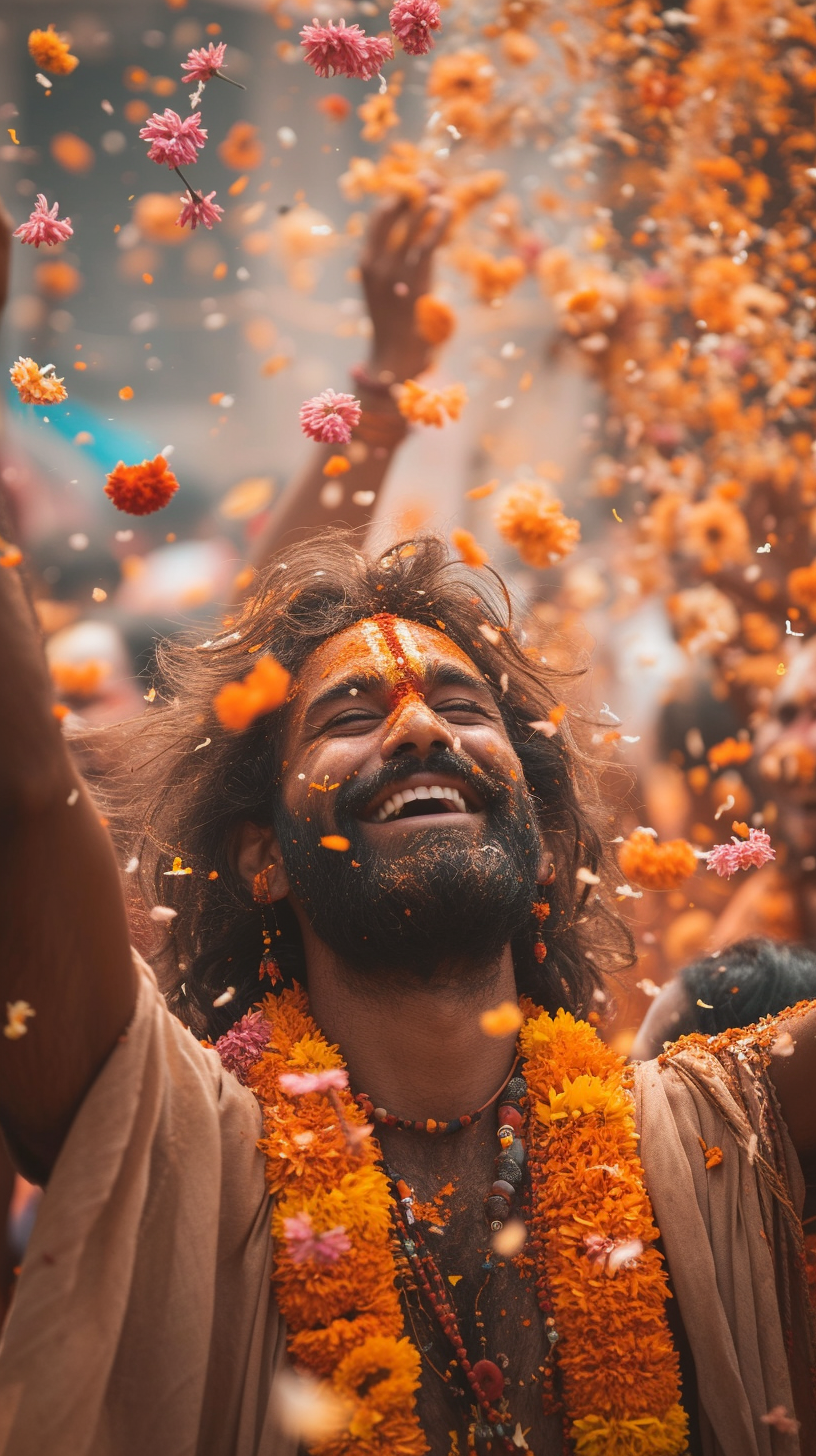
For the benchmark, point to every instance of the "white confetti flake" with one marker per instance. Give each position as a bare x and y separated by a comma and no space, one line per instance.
307,1409
225,997
162,914
72,798
79,541
205,744
725,806
783,1046
287,138
364,497
132,865
627,893
586,877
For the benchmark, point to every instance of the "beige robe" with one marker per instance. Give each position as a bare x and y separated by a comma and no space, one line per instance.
144,1322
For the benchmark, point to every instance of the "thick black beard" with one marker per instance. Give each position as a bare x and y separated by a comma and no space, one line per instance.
441,907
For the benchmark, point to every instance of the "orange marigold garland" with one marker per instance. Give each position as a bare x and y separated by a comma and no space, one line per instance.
139,490
656,866
619,1369
312,1171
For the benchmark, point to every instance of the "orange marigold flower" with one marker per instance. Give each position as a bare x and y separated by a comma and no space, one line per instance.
731,750
72,152
379,115
434,320
336,465
430,406
35,385
468,547
241,150
656,866
58,278
139,490
493,278
466,74
79,679
262,690
334,106
802,588
52,52
533,521
717,532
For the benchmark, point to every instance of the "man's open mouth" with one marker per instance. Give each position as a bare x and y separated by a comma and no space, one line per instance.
422,801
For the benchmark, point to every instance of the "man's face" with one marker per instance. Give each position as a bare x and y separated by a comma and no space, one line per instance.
785,752
395,743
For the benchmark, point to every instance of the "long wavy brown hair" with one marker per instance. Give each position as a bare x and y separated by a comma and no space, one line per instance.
176,783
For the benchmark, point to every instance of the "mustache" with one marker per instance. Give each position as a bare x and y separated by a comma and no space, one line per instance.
356,795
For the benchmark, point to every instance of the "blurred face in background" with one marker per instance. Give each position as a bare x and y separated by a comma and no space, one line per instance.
785,753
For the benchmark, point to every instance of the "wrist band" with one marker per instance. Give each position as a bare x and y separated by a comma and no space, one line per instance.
371,382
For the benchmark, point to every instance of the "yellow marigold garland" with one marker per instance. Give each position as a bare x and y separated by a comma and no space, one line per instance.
615,1351
344,1319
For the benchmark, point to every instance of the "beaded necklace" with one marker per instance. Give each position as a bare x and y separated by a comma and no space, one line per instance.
428,1124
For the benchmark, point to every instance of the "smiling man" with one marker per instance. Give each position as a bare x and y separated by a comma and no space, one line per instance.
351,895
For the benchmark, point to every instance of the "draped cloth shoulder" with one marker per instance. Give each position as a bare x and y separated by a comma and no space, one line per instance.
733,1239
144,1319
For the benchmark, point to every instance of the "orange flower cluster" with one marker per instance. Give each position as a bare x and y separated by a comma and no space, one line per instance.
379,115
493,278
802,588
533,521
139,490
79,679
344,1320
242,150
468,547
35,385
614,1348
52,52
434,320
656,866
430,406
730,751
262,690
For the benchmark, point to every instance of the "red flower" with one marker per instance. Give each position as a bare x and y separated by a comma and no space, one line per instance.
44,226
412,21
344,50
330,417
199,210
726,859
174,141
202,65
141,489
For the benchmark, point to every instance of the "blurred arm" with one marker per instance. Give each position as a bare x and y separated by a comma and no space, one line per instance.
64,945
398,254
794,1077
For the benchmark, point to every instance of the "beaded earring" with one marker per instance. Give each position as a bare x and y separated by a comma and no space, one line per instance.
262,896
541,910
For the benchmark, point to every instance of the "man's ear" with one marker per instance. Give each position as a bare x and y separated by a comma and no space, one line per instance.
257,850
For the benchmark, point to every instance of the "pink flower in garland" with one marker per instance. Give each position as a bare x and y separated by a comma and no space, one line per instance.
741,854
175,142
44,226
303,1244
412,22
344,50
330,417
199,210
205,63
240,1047
299,1084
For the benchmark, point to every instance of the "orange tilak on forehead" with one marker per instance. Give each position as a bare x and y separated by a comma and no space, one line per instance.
394,648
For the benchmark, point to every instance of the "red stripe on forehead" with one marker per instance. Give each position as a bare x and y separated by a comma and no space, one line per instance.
408,681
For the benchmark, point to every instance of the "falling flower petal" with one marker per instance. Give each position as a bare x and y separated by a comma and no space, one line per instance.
344,50
299,1084
726,859
175,142
502,1020
17,1014
330,417
44,226
262,690
304,1245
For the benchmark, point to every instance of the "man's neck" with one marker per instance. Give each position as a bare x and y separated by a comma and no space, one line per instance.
418,1051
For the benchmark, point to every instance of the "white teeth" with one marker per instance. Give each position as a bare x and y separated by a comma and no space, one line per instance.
393,805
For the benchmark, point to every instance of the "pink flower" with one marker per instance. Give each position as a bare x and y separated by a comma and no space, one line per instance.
202,65
44,226
330,417
741,854
199,209
174,141
412,21
241,1046
610,1255
344,50
781,1421
304,1244
297,1084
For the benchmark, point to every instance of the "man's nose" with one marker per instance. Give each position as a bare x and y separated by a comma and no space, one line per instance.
416,729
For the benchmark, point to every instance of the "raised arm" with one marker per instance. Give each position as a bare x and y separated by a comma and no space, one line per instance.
396,267
63,931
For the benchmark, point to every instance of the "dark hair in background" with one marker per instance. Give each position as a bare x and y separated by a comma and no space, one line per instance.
754,977
176,782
